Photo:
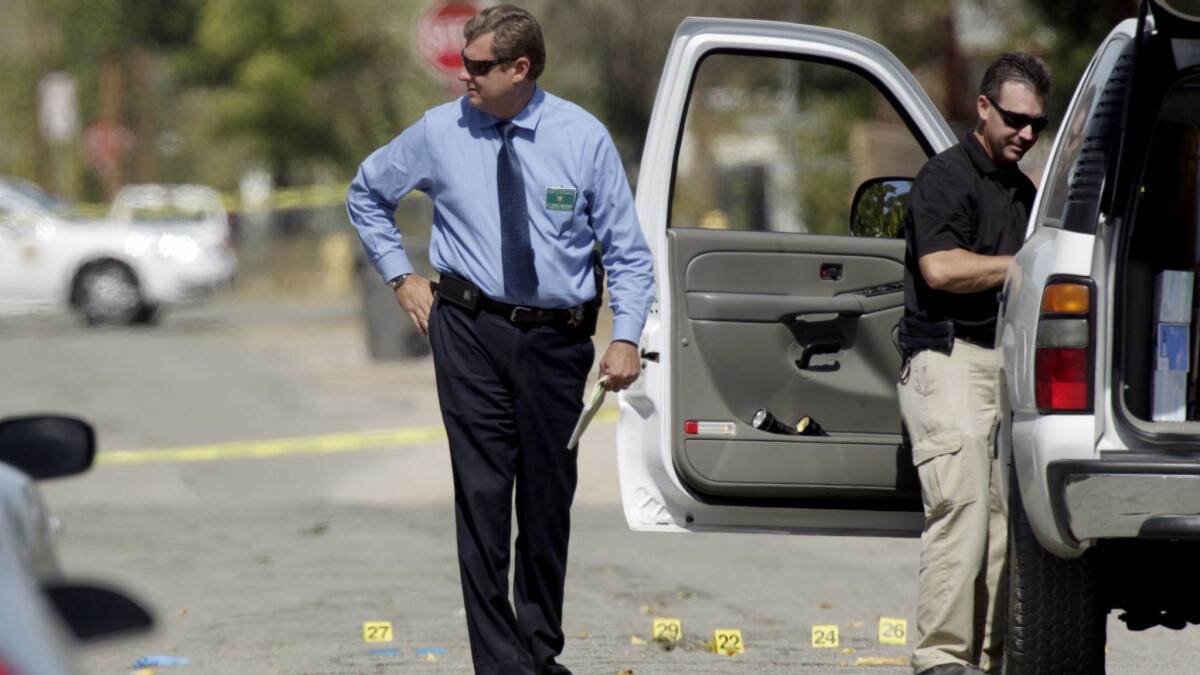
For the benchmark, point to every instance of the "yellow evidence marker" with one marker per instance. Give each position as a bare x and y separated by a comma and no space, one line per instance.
728,641
377,631
666,630
824,636
893,631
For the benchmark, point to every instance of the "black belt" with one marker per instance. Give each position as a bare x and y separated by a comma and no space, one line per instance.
462,293
980,336
521,314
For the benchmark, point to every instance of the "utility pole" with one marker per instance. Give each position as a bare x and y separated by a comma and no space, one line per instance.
145,120
958,103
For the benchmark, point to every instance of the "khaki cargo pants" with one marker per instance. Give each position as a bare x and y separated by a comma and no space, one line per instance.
948,403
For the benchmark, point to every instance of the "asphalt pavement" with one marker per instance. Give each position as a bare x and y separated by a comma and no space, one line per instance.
266,489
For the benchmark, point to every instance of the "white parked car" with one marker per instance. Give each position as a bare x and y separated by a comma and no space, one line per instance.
771,184
42,615
161,245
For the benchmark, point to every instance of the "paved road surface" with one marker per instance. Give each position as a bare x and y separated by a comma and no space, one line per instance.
272,564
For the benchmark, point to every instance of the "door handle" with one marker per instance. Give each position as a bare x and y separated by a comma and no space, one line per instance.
809,351
831,272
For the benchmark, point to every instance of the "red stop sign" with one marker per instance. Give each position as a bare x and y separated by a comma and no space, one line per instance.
439,37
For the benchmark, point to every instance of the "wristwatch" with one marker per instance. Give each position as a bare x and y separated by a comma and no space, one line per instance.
397,282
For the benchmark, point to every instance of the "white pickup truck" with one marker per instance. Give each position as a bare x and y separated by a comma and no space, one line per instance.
160,246
771,187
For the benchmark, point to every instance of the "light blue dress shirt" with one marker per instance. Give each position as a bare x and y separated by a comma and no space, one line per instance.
565,154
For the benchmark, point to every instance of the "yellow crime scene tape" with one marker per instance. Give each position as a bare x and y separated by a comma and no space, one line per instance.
326,444
300,197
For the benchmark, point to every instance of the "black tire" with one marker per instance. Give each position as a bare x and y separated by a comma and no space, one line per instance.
148,315
108,293
1056,615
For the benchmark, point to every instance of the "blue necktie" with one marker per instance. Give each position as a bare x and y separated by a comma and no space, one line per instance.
516,253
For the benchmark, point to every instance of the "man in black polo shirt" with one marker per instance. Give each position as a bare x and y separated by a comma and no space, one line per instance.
966,218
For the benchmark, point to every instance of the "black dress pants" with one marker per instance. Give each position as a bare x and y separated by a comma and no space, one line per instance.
510,396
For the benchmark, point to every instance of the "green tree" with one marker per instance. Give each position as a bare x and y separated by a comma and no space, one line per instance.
106,45
1072,31
614,71
289,79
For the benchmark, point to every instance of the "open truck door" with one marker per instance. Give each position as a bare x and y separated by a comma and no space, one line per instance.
771,297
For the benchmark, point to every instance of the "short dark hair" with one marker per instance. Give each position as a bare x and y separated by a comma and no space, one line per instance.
1019,67
515,33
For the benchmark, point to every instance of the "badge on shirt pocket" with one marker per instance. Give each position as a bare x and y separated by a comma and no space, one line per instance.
560,199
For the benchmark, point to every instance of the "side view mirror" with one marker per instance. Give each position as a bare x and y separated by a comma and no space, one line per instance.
94,611
47,446
878,207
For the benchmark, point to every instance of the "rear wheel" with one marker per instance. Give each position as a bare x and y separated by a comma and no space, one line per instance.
1056,614
108,293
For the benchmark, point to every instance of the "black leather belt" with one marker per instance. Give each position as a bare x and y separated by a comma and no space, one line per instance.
520,314
462,293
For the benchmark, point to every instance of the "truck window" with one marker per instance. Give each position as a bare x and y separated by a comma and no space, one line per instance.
1063,174
780,144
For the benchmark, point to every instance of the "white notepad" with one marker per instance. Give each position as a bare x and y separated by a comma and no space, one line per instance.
590,407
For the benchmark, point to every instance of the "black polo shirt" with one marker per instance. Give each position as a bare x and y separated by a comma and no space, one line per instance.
961,199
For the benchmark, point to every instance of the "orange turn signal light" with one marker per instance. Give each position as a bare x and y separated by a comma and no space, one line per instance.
1066,299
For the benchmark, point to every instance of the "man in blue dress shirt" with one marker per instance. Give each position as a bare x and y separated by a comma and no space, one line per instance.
523,185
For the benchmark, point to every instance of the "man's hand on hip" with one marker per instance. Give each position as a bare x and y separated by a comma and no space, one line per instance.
415,297
621,364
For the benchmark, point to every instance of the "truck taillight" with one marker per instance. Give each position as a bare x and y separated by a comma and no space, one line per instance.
1063,357
1062,379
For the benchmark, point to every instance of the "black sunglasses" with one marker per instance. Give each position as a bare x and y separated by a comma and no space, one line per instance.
480,68
1019,121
